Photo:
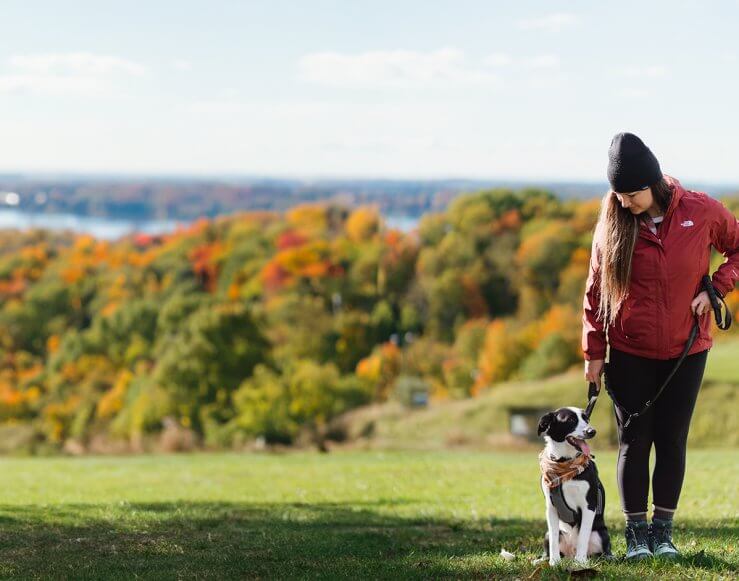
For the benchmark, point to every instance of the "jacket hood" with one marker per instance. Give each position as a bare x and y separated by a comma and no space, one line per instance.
678,191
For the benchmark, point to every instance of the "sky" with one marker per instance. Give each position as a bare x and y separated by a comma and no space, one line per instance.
369,89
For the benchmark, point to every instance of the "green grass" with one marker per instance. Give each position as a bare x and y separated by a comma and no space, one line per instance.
403,515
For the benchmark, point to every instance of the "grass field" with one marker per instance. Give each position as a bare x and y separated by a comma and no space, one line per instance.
362,515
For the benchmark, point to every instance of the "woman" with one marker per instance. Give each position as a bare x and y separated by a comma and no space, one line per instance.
651,248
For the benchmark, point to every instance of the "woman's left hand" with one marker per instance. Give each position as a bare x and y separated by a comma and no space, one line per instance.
701,304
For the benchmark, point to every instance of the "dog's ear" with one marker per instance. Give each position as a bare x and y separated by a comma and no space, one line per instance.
544,423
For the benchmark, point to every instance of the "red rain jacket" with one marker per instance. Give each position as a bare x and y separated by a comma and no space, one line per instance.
655,319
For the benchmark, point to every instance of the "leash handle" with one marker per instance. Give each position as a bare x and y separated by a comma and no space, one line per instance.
722,323
593,393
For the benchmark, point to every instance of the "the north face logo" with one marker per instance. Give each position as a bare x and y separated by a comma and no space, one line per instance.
686,223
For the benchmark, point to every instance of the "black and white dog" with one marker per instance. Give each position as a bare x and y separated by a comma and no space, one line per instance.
574,494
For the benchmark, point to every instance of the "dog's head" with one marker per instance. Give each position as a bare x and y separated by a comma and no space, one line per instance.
567,426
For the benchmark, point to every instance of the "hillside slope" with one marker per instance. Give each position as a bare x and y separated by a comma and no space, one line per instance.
484,421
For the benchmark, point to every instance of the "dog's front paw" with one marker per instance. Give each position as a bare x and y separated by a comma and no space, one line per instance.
581,560
553,561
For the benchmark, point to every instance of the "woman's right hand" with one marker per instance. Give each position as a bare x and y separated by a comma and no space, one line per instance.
593,371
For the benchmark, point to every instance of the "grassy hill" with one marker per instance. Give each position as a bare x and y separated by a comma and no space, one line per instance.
484,421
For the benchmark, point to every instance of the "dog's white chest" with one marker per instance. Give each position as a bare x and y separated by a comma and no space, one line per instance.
575,493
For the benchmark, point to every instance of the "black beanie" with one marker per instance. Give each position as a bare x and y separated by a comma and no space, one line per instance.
631,164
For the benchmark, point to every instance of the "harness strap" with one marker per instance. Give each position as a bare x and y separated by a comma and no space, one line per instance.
564,511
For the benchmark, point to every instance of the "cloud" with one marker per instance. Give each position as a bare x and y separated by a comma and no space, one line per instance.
649,72
550,23
634,93
74,73
182,65
391,68
497,60
82,63
51,85
544,61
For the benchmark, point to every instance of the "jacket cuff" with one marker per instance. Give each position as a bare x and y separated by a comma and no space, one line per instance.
594,355
720,290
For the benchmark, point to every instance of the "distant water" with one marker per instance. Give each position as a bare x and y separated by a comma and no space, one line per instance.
112,228
106,228
404,223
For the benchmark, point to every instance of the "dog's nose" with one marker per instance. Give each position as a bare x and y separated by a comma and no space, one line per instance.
589,433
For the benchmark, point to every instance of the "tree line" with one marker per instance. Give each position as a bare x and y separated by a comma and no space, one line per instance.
267,325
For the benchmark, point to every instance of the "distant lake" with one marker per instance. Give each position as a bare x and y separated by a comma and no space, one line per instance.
112,228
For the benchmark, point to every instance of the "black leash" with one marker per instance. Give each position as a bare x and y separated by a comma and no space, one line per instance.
723,323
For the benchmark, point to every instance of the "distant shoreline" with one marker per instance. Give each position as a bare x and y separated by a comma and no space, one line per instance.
114,228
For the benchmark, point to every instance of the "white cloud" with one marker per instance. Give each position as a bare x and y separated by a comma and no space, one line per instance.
551,23
51,85
74,73
391,68
82,63
497,60
649,72
544,61
182,65
634,93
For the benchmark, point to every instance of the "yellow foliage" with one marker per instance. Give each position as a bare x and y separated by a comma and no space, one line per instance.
307,260
112,400
308,217
33,394
363,223
534,244
56,413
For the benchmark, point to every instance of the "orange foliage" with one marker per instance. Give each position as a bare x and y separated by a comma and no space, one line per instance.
510,220
74,273
381,367
233,291
12,288
274,276
109,309
52,343
492,358
205,261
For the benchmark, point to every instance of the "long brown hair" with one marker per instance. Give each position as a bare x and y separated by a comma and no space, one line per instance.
615,234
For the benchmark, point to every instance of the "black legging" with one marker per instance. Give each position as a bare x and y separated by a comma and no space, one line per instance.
633,381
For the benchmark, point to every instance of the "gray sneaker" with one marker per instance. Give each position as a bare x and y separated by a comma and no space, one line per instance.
660,539
637,540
